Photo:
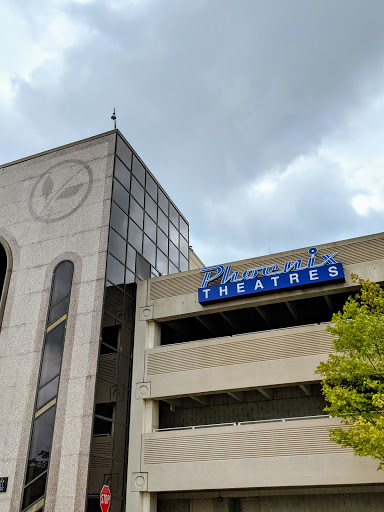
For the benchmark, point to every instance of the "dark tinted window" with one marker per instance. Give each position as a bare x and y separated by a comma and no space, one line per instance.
143,268
41,444
150,207
113,302
135,236
163,201
137,191
131,258
123,152
183,228
34,491
122,174
161,262
149,250
151,187
173,215
120,195
62,282
138,170
136,213
150,227
117,245
162,241
47,392
58,310
119,220
173,254
115,271
3,267
183,264
53,352
163,222
184,247
174,234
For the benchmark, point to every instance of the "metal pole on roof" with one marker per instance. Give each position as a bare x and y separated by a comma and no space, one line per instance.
113,116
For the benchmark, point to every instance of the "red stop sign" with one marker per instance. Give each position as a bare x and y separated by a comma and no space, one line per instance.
105,498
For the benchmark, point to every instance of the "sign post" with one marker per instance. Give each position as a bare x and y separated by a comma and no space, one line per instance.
105,498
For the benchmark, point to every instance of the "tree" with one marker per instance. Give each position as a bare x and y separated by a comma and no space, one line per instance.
353,382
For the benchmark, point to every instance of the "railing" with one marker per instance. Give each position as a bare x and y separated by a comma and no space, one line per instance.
233,424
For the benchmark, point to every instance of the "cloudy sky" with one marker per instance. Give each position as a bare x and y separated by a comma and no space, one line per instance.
263,119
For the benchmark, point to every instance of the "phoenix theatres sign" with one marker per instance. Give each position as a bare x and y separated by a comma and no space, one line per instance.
269,278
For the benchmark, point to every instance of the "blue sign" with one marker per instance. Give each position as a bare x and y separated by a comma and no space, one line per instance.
293,275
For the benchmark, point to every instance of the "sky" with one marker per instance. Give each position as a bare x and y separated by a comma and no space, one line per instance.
262,119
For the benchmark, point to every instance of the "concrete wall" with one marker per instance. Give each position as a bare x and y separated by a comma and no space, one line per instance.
53,206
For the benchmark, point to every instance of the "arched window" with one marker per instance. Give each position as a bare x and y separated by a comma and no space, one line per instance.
5,274
47,390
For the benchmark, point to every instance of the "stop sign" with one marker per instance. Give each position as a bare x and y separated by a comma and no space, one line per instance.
105,498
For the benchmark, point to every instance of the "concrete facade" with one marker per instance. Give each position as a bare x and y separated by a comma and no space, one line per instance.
195,465
53,207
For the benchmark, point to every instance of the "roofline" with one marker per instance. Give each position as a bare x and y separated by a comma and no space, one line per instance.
59,148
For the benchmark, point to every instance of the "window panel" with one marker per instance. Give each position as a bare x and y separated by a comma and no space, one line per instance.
163,221
184,247
122,174
173,215
174,234
174,254
162,263
115,271
119,220
150,228
41,444
129,311
163,201
52,355
184,266
110,335
151,186
120,196
172,268
117,245
183,228
137,191
62,282
129,278
47,392
126,335
102,427
149,250
136,213
162,241
120,395
123,152
113,302
143,268
138,170
131,258
135,236
150,207
34,491
58,310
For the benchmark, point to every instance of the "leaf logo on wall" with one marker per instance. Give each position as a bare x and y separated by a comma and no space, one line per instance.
60,191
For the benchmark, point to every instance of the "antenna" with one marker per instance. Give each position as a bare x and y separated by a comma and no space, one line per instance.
113,116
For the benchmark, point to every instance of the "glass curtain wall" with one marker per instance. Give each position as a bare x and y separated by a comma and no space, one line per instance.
147,237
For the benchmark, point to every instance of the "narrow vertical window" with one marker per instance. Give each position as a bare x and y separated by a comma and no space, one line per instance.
5,274
48,385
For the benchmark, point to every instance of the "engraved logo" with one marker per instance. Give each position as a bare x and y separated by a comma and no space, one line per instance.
60,191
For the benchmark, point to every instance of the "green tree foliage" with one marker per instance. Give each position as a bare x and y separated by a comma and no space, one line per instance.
353,382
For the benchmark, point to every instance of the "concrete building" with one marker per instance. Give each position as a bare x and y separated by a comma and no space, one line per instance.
122,367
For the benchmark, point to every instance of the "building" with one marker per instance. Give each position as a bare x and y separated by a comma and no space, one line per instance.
123,365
